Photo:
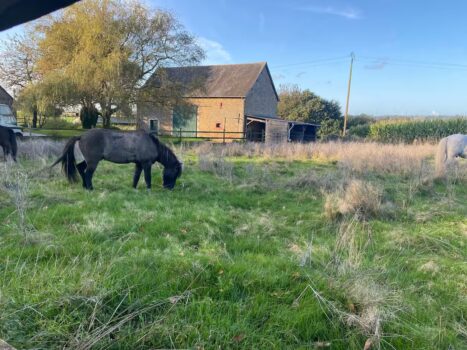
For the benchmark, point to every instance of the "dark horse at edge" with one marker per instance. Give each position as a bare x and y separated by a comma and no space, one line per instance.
83,154
8,142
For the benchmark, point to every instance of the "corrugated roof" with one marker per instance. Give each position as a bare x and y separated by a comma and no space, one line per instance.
229,80
262,117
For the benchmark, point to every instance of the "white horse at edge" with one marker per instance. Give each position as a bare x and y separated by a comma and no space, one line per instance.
449,148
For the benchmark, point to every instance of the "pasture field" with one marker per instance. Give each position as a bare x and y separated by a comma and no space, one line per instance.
322,246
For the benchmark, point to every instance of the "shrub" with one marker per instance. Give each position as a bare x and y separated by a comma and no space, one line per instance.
362,130
58,123
329,127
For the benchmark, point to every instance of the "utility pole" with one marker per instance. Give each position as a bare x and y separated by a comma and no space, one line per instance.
352,57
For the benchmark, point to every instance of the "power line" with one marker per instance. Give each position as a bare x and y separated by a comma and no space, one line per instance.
375,60
403,62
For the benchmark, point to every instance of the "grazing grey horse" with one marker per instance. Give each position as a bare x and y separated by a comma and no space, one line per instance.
8,142
84,152
450,148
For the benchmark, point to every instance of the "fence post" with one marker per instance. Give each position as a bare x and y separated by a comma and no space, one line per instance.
223,136
180,135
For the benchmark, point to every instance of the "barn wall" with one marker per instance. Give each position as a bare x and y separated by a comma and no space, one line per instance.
211,111
261,99
5,97
146,112
276,130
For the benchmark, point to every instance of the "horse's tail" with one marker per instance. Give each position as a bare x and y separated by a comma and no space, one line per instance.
68,160
440,158
14,145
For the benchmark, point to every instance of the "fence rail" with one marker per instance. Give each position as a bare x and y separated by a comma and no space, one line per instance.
179,134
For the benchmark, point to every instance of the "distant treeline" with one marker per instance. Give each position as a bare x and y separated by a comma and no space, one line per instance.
408,130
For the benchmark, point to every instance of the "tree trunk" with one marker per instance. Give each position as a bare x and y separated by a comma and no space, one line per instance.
34,117
106,114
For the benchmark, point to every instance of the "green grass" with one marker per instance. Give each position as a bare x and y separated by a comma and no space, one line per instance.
222,262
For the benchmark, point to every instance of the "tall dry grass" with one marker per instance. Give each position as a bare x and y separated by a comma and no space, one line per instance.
357,156
15,183
40,148
368,303
360,198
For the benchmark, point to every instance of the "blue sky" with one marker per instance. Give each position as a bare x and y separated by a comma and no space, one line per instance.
411,55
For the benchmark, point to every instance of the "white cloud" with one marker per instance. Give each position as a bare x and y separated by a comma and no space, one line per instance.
215,52
349,13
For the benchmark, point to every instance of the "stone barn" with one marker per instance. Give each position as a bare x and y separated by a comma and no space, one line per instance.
5,97
234,101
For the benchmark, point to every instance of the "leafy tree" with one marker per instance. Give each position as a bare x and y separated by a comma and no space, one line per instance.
329,128
103,51
38,100
305,106
361,119
359,125
18,68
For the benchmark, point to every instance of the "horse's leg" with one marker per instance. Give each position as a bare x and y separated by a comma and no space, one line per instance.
90,169
81,169
147,174
138,170
4,153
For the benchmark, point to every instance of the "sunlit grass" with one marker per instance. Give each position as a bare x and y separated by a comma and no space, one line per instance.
239,255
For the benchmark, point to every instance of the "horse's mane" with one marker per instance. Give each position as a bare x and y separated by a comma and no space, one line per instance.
154,139
165,155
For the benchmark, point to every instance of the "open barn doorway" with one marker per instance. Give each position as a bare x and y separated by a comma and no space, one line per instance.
255,129
302,132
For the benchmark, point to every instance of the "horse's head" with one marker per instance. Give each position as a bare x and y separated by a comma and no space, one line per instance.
171,174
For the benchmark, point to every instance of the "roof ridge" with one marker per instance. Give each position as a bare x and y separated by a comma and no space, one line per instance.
1,87
220,65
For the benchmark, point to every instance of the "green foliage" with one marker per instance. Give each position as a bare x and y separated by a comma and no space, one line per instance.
88,116
422,130
359,125
102,53
59,123
362,130
305,106
37,98
329,128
